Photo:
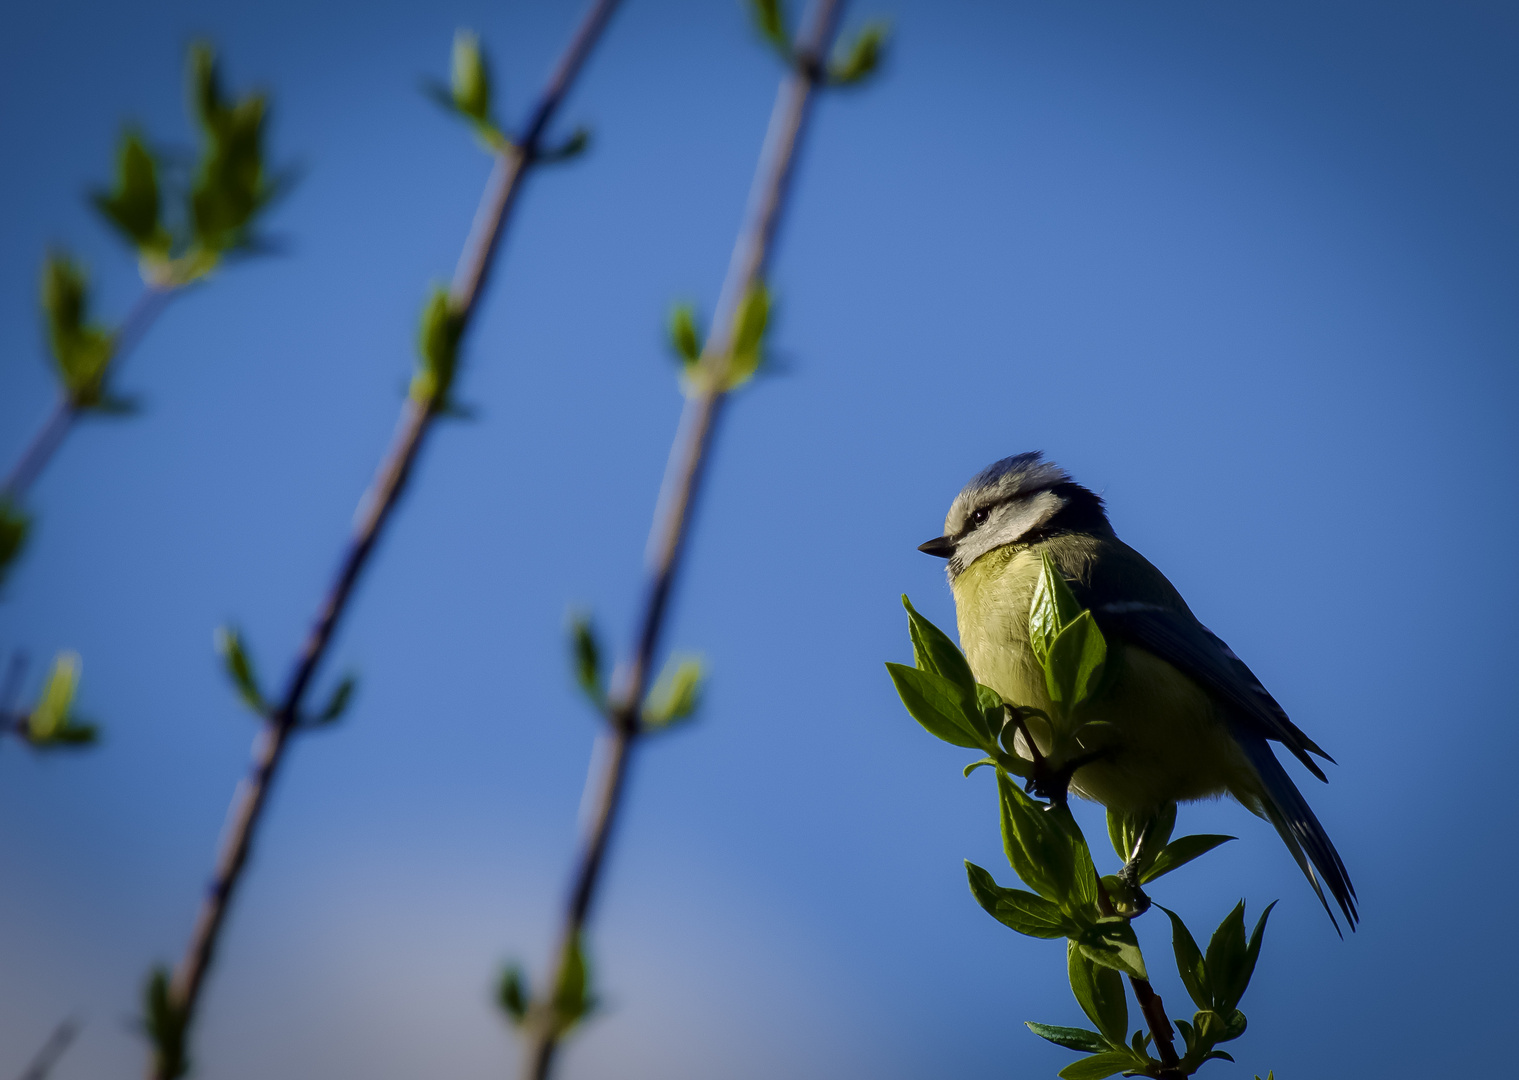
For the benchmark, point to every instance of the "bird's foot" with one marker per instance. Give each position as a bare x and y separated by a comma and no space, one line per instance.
1132,898
1054,785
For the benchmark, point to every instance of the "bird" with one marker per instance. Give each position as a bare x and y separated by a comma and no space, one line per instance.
1190,720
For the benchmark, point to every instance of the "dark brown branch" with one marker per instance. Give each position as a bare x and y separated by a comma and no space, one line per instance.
148,306
1154,1011
511,167
677,500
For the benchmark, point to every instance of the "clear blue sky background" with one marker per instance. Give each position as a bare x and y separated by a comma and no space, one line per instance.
1246,269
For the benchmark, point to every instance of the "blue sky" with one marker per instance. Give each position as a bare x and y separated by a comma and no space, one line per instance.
1248,270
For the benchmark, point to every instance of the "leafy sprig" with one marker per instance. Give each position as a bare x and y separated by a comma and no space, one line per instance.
1047,850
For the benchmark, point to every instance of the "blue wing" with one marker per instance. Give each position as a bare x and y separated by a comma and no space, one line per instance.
1178,638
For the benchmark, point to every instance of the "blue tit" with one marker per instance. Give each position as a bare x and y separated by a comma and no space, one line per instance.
1191,721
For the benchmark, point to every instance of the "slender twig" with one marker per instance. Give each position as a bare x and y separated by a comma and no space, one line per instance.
677,500
148,306
511,166
57,1044
1154,1010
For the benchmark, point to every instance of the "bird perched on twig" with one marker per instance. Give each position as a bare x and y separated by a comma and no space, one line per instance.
1189,719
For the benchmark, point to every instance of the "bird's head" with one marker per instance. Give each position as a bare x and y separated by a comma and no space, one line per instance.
1016,500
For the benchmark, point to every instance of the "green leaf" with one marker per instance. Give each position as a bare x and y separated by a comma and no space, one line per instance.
1111,942
1189,962
1019,910
858,60
573,1000
585,656
686,335
239,665
1088,1042
1226,958
82,350
933,651
946,710
164,1024
1053,606
512,995
14,526
338,702
1099,991
1073,665
1231,961
1046,849
770,19
747,354
1181,851
53,722
1098,1066
675,695
568,150
133,203
1125,831
438,350
974,765
471,81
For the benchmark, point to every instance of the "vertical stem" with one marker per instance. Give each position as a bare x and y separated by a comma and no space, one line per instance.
1160,1028
497,202
684,473
1150,1005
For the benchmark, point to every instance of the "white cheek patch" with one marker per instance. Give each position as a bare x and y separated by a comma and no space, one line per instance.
1008,525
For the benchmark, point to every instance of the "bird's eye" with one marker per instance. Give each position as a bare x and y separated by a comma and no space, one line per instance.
979,517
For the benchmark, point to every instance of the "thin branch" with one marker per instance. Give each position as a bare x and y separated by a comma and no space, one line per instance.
511,167
1154,1010
56,1046
148,306
682,484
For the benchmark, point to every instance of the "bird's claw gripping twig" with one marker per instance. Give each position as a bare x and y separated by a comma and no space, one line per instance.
1053,784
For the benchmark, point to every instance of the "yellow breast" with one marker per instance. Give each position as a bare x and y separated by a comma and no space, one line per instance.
1173,744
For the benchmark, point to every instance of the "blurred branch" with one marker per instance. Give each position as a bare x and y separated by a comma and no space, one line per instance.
57,1045
682,485
512,164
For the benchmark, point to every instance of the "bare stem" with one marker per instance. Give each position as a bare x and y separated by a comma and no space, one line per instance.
1150,1005
57,1044
1154,1011
677,501
149,304
511,167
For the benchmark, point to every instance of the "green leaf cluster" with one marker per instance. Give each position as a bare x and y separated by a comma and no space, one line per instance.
52,723
470,96
182,235
745,357
853,61
1145,843
942,695
82,349
560,1012
1216,980
231,183
438,335
164,1023
238,664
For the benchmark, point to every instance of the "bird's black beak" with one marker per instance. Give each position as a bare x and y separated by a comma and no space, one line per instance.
942,546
